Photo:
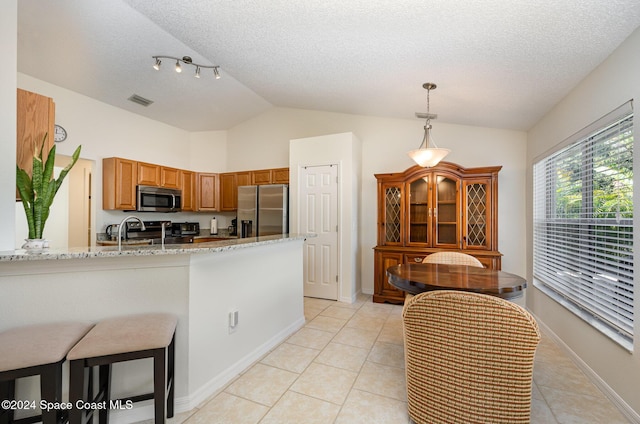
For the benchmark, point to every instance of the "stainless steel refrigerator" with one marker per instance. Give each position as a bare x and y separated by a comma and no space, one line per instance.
263,210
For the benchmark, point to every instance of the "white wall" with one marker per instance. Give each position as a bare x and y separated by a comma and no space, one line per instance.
208,151
614,82
385,142
9,53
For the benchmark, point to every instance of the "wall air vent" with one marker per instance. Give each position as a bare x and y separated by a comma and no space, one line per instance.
140,100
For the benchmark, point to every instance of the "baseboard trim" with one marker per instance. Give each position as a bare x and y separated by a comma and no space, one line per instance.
622,406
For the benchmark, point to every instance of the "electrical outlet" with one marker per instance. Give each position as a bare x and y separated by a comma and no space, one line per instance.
233,321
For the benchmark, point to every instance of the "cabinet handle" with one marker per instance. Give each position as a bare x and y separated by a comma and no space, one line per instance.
418,260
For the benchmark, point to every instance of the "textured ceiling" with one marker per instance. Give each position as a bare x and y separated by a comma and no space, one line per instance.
497,63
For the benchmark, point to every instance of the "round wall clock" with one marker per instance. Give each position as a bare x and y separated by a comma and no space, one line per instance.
59,133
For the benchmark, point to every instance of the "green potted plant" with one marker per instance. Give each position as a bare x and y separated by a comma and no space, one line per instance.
38,191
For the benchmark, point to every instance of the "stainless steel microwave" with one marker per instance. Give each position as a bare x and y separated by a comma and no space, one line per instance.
158,199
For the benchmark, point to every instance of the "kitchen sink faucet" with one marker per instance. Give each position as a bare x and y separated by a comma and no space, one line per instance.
122,225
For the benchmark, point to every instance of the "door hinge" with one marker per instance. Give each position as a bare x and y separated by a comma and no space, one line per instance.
336,228
336,278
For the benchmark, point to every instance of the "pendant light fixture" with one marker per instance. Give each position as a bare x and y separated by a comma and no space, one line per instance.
187,61
428,156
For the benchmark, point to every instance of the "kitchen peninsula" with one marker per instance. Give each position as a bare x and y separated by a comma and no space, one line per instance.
203,283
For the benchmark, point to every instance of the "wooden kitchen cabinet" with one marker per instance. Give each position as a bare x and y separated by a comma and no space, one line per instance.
207,187
148,174
170,177
151,174
243,179
228,191
280,176
119,180
427,210
262,176
35,118
188,186
270,176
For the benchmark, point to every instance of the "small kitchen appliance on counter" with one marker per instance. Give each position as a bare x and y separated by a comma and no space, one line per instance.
185,229
233,228
153,231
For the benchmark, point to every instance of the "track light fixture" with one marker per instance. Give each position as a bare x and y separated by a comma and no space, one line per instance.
186,60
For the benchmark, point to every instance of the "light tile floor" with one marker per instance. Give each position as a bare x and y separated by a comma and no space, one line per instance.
346,366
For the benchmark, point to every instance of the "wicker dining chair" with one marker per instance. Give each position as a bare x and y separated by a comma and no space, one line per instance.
453,258
469,358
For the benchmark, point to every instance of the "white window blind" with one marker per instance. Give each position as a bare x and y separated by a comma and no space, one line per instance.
583,225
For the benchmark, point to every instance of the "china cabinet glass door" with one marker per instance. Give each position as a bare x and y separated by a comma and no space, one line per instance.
476,214
392,214
419,211
446,211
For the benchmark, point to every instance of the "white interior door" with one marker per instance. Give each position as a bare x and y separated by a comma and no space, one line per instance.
319,216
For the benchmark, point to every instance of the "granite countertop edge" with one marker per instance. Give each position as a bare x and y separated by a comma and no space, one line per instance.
146,250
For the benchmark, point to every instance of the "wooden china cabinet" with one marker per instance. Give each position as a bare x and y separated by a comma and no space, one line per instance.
426,210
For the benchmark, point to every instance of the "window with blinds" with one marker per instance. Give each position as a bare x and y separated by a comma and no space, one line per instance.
583,225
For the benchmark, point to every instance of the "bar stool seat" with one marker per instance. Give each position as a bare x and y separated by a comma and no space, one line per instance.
37,350
124,339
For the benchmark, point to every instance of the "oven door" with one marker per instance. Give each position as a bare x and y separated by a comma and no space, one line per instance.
158,199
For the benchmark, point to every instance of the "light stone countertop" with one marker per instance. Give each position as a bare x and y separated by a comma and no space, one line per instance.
146,250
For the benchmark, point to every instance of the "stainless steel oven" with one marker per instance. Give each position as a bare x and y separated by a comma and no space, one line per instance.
153,231
158,199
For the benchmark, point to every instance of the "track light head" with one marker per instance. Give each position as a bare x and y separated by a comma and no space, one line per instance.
178,67
216,73
197,72
157,65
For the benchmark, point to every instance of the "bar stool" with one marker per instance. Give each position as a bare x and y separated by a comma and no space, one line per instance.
117,340
37,350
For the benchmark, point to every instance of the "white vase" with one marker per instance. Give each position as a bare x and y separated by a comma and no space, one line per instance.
35,244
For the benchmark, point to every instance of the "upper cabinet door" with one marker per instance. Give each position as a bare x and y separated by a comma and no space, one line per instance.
188,185
280,176
208,192
119,177
35,119
148,174
262,176
170,177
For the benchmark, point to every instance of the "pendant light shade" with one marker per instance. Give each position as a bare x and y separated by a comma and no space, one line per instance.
428,156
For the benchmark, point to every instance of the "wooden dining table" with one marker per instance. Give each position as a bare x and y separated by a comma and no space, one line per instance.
417,278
